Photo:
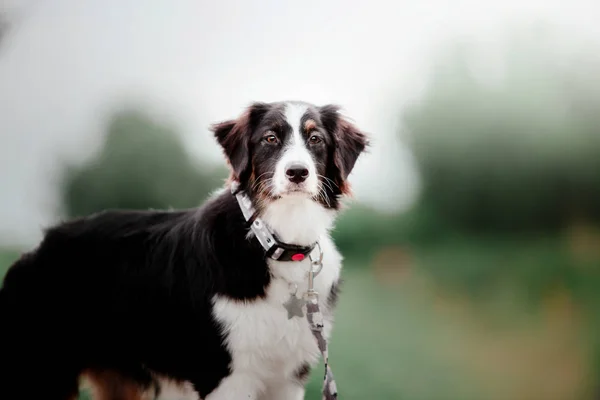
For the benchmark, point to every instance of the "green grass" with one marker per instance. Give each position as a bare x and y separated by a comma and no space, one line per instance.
7,257
382,347
472,300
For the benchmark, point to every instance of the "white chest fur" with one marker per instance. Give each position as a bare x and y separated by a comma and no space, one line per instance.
266,346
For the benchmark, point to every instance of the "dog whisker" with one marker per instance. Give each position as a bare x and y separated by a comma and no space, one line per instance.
329,181
258,181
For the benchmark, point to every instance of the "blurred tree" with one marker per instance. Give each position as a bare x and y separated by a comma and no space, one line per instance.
519,153
142,165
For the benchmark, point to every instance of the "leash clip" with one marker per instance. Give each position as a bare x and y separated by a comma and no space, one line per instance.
311,295
315,263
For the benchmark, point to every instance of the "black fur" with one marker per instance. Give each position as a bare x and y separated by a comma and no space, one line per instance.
124,289
129,291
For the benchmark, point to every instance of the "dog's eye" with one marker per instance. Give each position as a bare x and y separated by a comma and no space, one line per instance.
271,139
314,139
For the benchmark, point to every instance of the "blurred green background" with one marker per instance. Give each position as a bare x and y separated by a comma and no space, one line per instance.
488,285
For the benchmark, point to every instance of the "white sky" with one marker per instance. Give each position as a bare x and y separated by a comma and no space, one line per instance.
68,61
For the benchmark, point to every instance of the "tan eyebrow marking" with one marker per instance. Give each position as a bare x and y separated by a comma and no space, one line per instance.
309,125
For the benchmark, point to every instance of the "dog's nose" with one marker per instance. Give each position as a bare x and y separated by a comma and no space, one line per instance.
297,173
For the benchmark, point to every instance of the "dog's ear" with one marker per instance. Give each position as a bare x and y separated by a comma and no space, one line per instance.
349,143
234,138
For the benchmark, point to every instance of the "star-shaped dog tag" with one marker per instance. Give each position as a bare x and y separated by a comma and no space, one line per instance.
294,306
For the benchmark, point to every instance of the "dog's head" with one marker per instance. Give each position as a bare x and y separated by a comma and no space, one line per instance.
291,149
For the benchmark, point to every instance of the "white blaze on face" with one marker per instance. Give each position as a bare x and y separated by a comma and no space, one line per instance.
295,152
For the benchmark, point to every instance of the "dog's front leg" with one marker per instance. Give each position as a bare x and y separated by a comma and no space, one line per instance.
238,385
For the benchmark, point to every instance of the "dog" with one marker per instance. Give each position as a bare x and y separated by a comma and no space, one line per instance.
137,299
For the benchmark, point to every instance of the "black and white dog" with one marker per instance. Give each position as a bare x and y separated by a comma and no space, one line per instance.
194,297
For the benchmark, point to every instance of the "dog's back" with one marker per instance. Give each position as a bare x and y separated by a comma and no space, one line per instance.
94,295
46,301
